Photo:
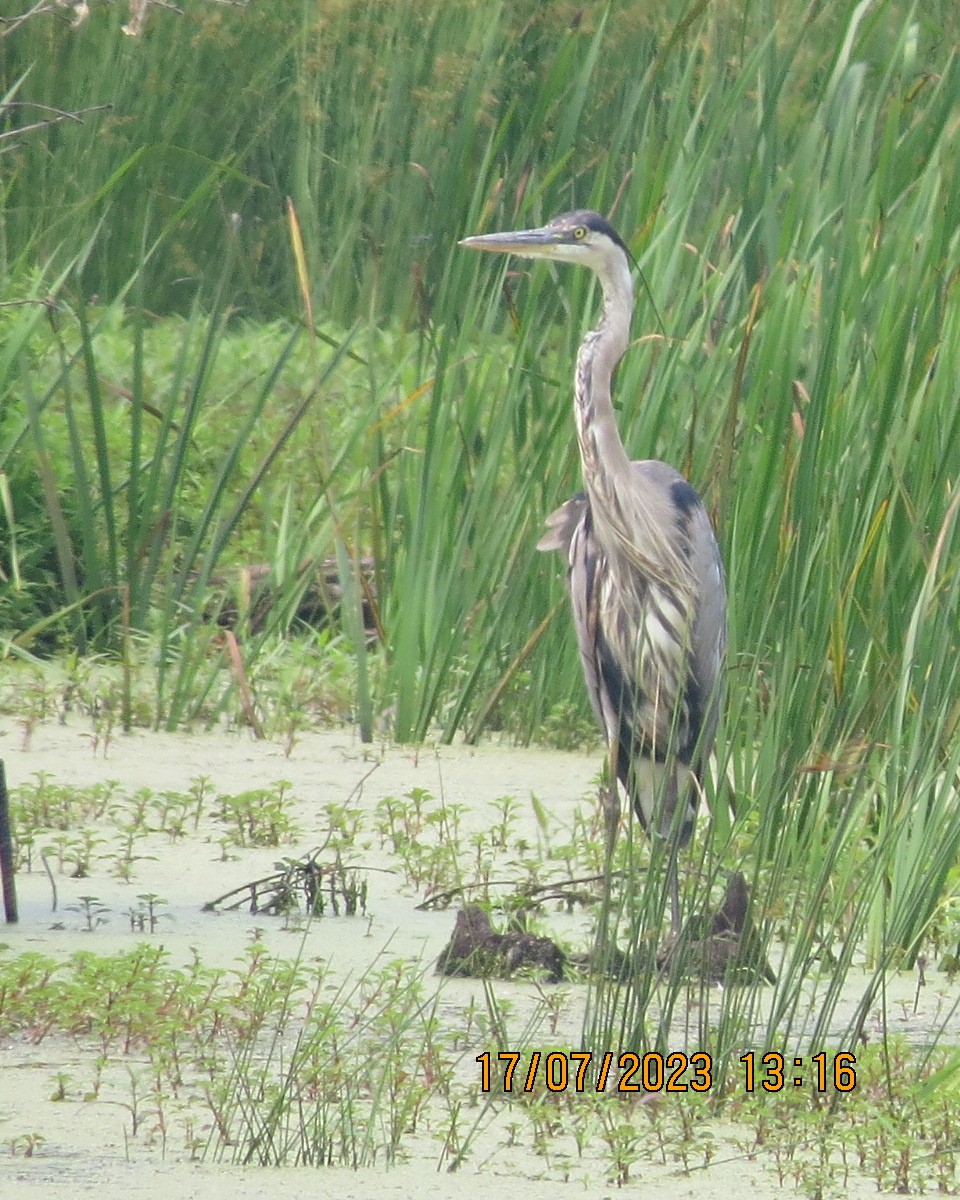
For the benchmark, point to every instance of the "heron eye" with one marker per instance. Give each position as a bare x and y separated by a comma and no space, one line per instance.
580,233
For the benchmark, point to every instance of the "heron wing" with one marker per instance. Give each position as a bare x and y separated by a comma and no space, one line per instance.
562,523
570,531
624,709
707,635
708,642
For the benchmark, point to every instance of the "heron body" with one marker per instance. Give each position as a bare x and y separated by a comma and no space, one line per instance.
644,570
650,648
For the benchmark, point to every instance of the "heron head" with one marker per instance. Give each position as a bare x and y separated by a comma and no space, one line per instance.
581,237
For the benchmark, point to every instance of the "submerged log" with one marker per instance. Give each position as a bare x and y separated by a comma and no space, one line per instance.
476,950
724,947
251,593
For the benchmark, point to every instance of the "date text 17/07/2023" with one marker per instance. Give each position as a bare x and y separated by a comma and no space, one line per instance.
586,1071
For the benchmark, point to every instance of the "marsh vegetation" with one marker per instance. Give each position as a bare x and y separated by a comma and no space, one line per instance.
235,330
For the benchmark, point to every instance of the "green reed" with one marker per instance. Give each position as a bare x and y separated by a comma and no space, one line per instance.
789,189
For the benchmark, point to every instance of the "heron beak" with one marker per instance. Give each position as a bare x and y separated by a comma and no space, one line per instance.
532,243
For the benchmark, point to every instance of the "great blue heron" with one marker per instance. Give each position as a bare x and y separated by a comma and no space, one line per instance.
645,574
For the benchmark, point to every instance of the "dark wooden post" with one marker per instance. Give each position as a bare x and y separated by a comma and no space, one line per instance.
6,854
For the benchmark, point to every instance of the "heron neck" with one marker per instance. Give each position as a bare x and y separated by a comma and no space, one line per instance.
602,453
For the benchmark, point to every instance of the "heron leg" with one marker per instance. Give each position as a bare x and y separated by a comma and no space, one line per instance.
610,800
673,884
605,954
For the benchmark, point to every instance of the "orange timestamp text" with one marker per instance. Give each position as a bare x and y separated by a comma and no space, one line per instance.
678,1072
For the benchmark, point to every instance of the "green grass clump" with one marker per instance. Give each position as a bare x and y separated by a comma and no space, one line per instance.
76,828
285,1066
788,182
792,217
212,1047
